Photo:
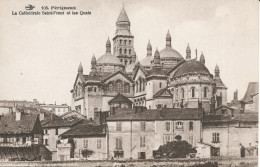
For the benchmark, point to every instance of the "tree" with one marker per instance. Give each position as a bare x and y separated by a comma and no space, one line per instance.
86,153
174,149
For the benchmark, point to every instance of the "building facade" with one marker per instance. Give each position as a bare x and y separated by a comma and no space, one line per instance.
137,134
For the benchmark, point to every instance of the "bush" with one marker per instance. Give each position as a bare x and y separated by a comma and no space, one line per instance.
86,153
174,149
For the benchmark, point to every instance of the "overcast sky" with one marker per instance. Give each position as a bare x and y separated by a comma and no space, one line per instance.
39,55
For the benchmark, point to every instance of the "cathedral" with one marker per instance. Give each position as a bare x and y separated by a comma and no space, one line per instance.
163,79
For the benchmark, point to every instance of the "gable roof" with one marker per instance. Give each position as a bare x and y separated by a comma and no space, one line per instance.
251,90
120,98
85,130
114,74
155,114
9,125
160,93
139,66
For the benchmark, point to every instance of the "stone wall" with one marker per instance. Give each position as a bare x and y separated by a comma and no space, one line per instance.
252,162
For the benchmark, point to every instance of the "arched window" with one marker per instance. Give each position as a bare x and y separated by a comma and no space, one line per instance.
130,42
205,92
120,41
120,50
110,87
125,62
125,42
95,89
125,51
130,51
192,92
130,61
119,87
182,93
127,88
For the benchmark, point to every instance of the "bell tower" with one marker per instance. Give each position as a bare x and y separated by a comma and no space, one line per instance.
124,40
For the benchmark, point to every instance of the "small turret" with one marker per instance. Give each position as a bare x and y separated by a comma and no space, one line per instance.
216,71
157,59
168,39
93,62
149,49
80,69
188,52
108,46
202,58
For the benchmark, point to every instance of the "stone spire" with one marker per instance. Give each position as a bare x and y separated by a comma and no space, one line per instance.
202,58
108,46
217,71
188,52
93,62
168,39
149,49
80,69
122,22
157,59
122,16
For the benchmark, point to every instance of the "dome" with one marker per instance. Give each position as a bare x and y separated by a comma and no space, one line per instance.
108,58
146,61
169,52
191,67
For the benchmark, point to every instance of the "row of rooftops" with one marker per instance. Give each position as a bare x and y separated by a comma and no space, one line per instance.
83,127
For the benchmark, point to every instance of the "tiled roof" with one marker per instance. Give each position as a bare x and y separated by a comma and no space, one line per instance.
9,125
156,71
191,67
67,122
155,114
247,117
120,98
252,89
160,92
84,130
237,118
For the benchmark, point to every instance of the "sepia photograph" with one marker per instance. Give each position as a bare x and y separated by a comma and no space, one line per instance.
129,83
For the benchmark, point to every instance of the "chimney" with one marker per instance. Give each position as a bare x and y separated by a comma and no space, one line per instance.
41,116
18,115
236,95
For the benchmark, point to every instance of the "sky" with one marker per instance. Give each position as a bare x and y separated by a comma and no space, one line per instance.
39,55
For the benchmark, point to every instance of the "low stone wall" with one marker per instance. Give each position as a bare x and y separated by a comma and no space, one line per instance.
225,162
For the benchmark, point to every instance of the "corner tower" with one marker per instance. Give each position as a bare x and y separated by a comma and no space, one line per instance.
124,40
